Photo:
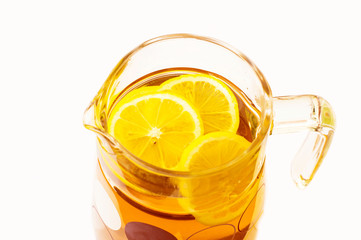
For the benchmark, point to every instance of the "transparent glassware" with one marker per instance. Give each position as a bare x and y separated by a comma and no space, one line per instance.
136,200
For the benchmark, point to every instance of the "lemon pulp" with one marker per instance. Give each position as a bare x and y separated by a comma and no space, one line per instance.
155,127
215,102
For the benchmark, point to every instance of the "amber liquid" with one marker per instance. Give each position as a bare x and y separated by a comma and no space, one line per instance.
120,213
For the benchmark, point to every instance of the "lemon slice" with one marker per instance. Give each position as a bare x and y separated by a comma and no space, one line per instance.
221,197
215,102
213,150
155,127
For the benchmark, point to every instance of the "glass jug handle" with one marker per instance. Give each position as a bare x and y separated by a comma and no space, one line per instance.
305,112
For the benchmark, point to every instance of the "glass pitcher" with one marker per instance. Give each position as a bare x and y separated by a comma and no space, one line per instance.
135,200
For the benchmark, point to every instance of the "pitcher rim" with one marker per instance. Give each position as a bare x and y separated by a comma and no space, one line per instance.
266,109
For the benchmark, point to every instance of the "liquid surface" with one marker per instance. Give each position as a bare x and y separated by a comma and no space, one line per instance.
248,115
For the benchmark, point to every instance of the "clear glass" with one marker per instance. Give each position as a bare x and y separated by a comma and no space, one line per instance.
136,200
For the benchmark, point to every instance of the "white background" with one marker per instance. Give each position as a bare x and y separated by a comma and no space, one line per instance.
55,55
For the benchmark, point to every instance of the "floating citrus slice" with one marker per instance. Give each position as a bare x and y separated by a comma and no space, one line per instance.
155,127
218,198
213,150
215,102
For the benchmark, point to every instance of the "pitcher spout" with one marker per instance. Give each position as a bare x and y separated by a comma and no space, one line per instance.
92,122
